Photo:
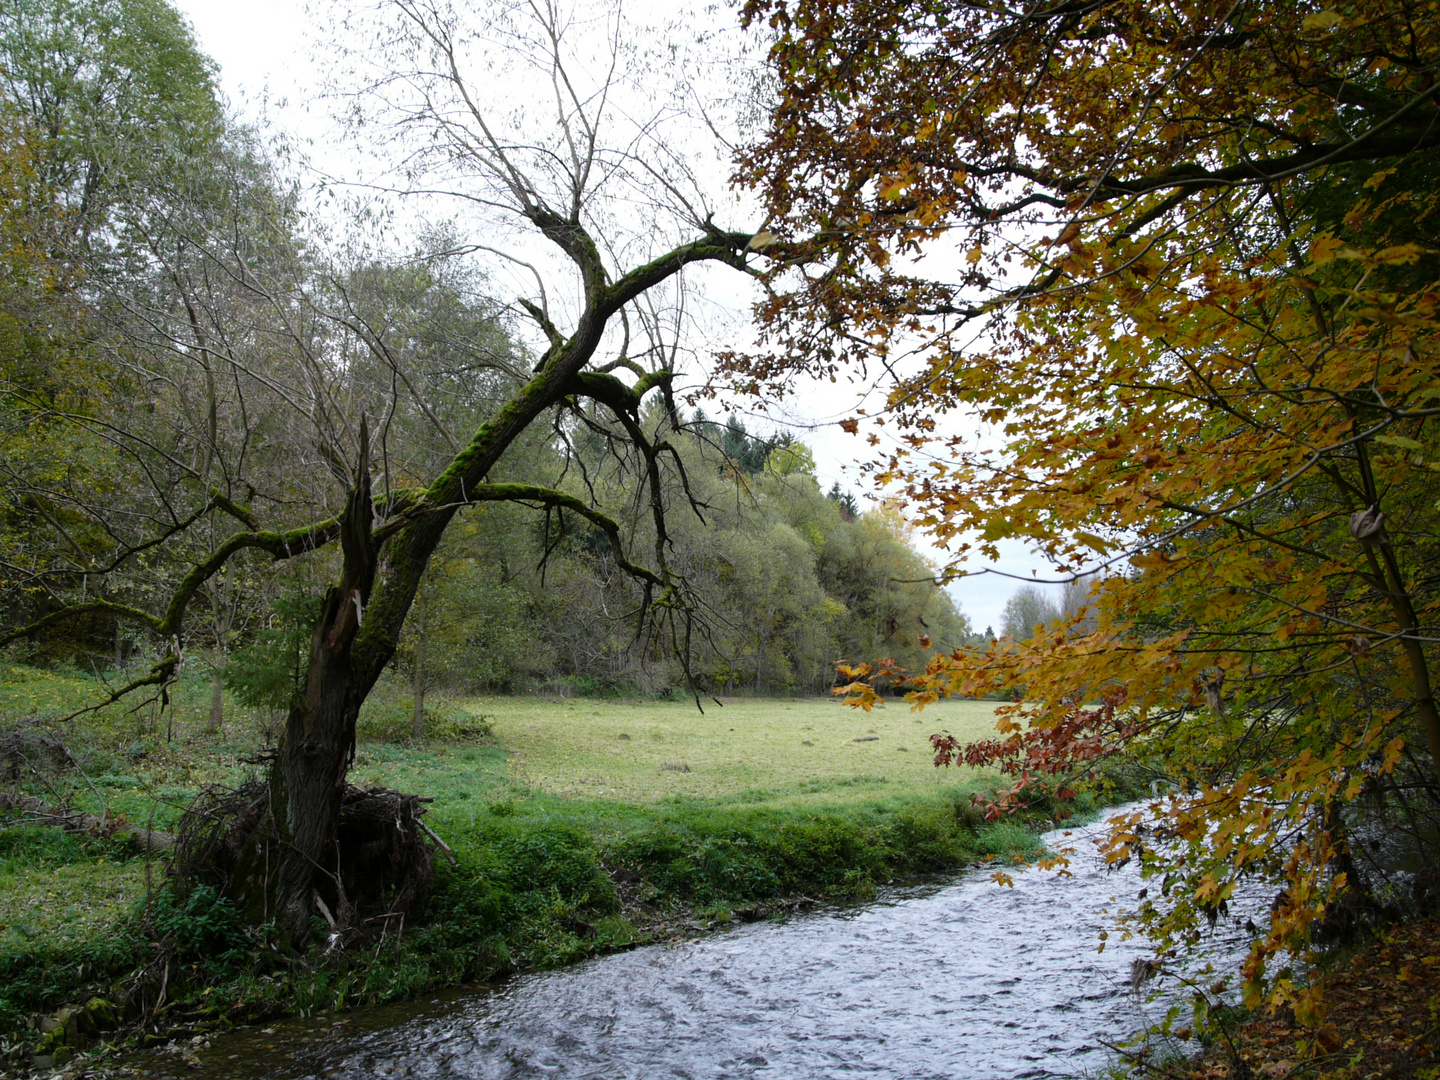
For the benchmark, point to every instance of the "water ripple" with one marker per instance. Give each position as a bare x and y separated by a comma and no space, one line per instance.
963,979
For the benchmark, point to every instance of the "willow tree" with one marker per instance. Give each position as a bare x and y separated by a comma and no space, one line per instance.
321,378
1182,262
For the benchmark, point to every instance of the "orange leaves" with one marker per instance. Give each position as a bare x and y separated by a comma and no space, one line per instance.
1151,560
893,188
1204,379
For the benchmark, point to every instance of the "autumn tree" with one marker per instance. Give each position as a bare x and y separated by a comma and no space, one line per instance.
1180,265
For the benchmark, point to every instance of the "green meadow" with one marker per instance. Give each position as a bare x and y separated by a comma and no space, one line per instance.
761,751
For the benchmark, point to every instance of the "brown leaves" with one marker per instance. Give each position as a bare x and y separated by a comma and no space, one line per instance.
1379,1020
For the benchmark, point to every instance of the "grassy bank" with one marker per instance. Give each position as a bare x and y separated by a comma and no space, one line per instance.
578,826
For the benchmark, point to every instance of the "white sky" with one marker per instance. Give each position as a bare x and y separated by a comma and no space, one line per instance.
264,49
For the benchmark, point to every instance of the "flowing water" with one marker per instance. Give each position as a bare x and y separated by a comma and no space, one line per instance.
964,979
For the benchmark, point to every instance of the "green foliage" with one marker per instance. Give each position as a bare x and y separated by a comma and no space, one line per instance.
202,925
267,672
60,926
471,627
116,89
745,453
389,712
704,856
790,581
1027,609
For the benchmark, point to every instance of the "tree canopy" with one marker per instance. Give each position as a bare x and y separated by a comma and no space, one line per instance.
1181,262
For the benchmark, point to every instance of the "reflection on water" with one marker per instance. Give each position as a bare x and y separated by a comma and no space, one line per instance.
962,980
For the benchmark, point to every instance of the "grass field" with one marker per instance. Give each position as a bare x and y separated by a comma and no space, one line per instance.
761,750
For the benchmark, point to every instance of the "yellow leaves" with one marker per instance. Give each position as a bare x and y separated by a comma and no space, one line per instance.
858,695
1321,20
893,188
1150,560
1377,178
1058,862
1392,754
998,527
1226,604
1309,1005
1210,892
1399,255
1324,248
1002,878
1399,441
1196,348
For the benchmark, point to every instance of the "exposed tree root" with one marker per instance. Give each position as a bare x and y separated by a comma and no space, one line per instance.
379,877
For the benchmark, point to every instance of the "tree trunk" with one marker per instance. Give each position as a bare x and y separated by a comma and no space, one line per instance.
417,685
308,776
217,694
1414,649
759,645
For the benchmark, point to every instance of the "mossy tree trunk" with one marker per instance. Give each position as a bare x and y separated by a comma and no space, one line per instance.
364,612
307,778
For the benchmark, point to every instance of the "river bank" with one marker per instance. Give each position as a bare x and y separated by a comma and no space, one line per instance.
715,824
988,981
957,977
527,893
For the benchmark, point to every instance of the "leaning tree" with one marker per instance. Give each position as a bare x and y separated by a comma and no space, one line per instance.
273,384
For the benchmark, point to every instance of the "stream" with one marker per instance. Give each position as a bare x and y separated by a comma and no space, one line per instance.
962,980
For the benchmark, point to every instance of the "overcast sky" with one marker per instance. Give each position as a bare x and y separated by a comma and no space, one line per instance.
265,52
